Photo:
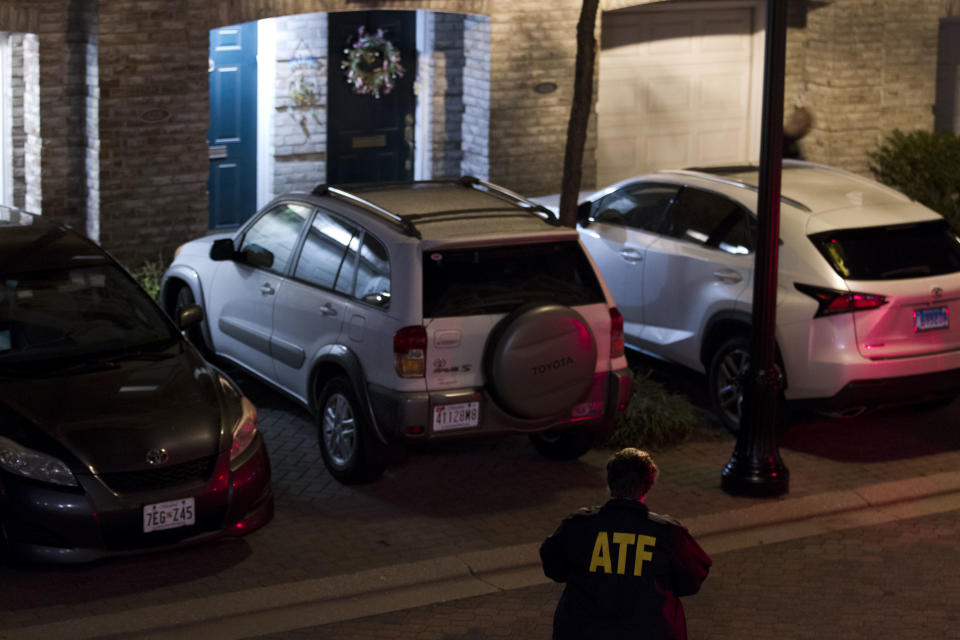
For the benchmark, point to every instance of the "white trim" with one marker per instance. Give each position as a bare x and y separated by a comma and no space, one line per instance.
6,123
266,96
422,166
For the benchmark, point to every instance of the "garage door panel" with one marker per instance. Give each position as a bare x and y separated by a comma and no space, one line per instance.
677,85
667,150
668,93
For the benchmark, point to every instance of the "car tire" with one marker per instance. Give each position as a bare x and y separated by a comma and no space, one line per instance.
344,434
540,360
194,334
563,444
726,378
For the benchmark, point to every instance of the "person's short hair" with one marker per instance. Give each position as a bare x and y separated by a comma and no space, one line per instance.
631,473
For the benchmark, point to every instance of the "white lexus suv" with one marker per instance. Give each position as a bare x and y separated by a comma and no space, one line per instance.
412,311
868,285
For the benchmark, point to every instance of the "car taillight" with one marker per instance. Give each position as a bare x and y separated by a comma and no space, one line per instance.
832,301
410,352
616,333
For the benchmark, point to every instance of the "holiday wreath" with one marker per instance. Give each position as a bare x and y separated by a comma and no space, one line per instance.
371,63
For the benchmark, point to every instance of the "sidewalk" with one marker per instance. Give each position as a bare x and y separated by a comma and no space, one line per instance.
843,475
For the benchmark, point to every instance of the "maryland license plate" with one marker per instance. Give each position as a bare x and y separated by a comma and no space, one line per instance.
929,319
456,416
169,515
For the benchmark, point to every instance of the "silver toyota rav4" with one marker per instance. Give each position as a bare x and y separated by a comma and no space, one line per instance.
412,311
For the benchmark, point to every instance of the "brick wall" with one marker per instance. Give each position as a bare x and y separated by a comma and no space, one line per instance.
18,136
93,158
443,64
300,114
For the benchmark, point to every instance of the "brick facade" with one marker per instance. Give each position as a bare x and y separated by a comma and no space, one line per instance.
114,130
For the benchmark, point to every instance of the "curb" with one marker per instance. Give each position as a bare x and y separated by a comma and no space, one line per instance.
321,601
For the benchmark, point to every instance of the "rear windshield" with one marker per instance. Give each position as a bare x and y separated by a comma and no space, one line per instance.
891,253
498,279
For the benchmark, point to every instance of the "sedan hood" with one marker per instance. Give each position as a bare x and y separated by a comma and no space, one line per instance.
104,417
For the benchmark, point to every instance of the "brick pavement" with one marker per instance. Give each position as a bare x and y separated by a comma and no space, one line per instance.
896,580
466,496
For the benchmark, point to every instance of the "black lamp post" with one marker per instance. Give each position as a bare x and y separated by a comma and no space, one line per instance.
755,467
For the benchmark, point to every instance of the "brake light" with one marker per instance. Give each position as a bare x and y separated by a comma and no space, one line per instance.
616,333
410,352
833,301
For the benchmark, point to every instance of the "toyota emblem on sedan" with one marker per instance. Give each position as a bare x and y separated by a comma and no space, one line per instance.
157,456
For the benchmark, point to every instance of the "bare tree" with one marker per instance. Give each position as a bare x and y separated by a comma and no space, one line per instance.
579,113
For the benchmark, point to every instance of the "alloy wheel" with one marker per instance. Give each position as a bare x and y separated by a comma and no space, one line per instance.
339,430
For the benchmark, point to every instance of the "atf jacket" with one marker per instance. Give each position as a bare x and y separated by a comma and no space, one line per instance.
625,570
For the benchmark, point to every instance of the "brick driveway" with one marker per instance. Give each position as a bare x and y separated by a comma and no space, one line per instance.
467,496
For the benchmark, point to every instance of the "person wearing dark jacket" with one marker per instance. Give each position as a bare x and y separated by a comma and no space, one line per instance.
625,568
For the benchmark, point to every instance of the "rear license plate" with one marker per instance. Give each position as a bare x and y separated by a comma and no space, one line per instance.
929,319
169,515
456,416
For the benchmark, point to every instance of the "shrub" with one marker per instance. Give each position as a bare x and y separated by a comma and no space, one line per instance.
654,418
925,166
149,274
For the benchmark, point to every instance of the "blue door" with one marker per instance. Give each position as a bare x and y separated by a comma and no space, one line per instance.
232,136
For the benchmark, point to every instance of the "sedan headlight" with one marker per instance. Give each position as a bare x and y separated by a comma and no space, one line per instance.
22,461
245,429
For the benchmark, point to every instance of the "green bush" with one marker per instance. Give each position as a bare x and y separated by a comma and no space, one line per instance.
654,418
925,166
149,274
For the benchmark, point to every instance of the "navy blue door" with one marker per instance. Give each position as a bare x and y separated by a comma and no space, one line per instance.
371,139
233,125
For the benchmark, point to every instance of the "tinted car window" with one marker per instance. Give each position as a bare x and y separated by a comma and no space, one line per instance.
270,241
638,206
322,254
893,252
373,270
499,279
76,311
709,219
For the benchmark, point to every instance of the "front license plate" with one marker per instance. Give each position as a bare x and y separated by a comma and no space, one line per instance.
929,319
456,416
169,515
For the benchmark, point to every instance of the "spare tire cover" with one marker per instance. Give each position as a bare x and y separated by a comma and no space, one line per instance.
539,360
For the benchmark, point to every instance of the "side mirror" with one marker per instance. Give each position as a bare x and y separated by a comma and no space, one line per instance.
190,315
257,256
583,213
222,249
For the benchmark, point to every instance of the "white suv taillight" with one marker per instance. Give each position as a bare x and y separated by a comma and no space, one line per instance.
616,333
832,301
410,352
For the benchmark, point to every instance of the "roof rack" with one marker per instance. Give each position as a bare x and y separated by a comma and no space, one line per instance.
407,222
733,182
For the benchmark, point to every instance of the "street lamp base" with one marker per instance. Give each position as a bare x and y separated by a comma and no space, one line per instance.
755,478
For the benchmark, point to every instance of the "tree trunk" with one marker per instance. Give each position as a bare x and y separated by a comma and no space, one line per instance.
579,113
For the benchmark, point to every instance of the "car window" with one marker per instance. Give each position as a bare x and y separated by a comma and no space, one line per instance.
269,243
891,253
462,282
323,251
639,206
709,219
76,312
373,272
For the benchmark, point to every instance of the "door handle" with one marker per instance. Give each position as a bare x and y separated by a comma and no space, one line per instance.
328,310
266,289
631,254
727,275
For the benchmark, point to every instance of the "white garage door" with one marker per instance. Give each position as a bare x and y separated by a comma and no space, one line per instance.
678,88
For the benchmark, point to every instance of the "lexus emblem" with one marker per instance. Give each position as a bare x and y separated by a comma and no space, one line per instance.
936,292
157,456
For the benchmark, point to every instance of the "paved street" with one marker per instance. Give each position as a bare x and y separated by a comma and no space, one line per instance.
897,580
481,496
